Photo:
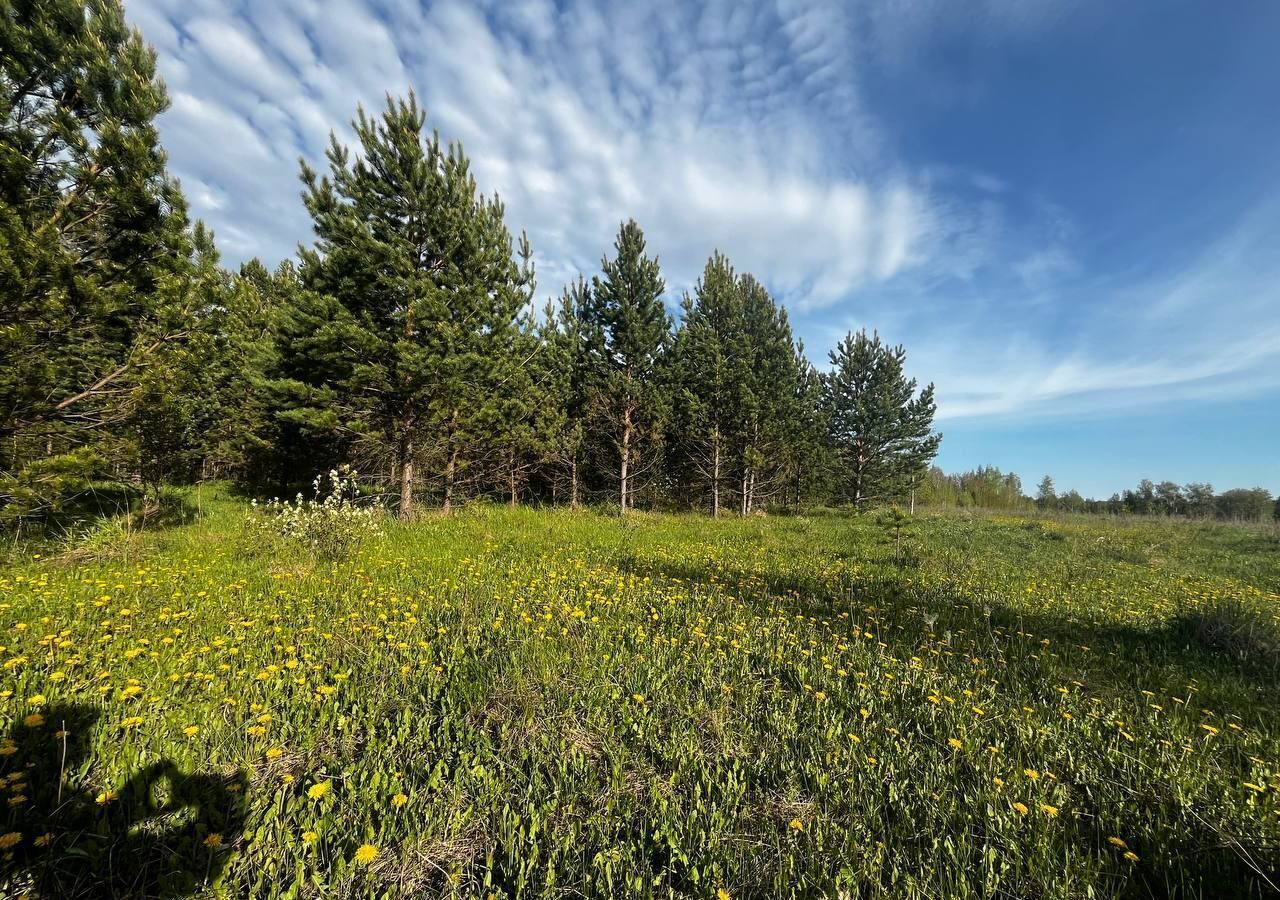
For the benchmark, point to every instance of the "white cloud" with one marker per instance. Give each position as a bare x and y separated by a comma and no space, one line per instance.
739,126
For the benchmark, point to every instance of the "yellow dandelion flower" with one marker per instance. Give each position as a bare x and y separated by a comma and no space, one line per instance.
1117,842
955,743
37,700
366,854
35,720
1050,811
213,841
310,837
191,730
399,800
797,825
1021,808
320,789
722,894
1131,856
12,839
105,797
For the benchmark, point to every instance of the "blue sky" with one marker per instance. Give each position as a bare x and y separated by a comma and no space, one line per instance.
1069,212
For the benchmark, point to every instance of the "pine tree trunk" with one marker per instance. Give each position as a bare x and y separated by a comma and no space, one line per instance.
746,473
450,466
715,475
626,458
751,493
450,471
406,477
573,482
511,483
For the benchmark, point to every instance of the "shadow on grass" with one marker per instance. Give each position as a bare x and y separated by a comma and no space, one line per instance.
165,833
1223,858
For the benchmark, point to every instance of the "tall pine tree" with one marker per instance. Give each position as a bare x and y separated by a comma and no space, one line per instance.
423,267
703,379
880,429
626,308
94,246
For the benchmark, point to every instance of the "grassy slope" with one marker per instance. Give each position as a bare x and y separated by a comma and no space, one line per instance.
662,706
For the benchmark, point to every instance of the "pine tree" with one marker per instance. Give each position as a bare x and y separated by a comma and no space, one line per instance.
572,348
810,448
94,247
422,266
767,379
880,429
626,308
702,378
1046,495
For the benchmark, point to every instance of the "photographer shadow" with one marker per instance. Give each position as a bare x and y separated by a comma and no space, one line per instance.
164,833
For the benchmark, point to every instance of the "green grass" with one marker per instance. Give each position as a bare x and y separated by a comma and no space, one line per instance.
542,703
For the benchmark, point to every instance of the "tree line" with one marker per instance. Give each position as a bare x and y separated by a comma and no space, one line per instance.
1196,500
406,338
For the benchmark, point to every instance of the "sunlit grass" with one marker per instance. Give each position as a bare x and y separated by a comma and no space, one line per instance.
526,703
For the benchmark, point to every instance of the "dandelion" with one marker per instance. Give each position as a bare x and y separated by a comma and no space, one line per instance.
37,700
319,789
1021,808
12,839
722,894
366,854
399,800
1050,811
797,825
34,720
1131,856
105,797
1032,774
213,841
955,743
310,837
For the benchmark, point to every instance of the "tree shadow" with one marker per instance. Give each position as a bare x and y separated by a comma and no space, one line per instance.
164,833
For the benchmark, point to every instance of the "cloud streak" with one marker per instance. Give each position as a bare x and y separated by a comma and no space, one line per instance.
749,127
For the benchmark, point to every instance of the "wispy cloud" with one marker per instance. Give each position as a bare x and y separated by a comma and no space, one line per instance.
750,127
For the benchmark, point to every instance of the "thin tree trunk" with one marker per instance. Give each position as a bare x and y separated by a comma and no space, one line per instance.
626,458
406,477
573,482
715,475
746,472
751,493
450,472
511,483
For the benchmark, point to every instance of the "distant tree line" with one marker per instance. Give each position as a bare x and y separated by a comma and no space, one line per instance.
1168,498
985,487
405,339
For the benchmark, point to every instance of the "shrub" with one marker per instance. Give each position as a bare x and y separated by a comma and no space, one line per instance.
333,525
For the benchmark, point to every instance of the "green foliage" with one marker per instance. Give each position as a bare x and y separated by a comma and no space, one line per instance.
47,486
880,429
420,265
629,331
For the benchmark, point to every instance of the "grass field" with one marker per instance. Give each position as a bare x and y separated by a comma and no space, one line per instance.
516,703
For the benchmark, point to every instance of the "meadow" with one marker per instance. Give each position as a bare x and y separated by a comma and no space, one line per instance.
519,703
